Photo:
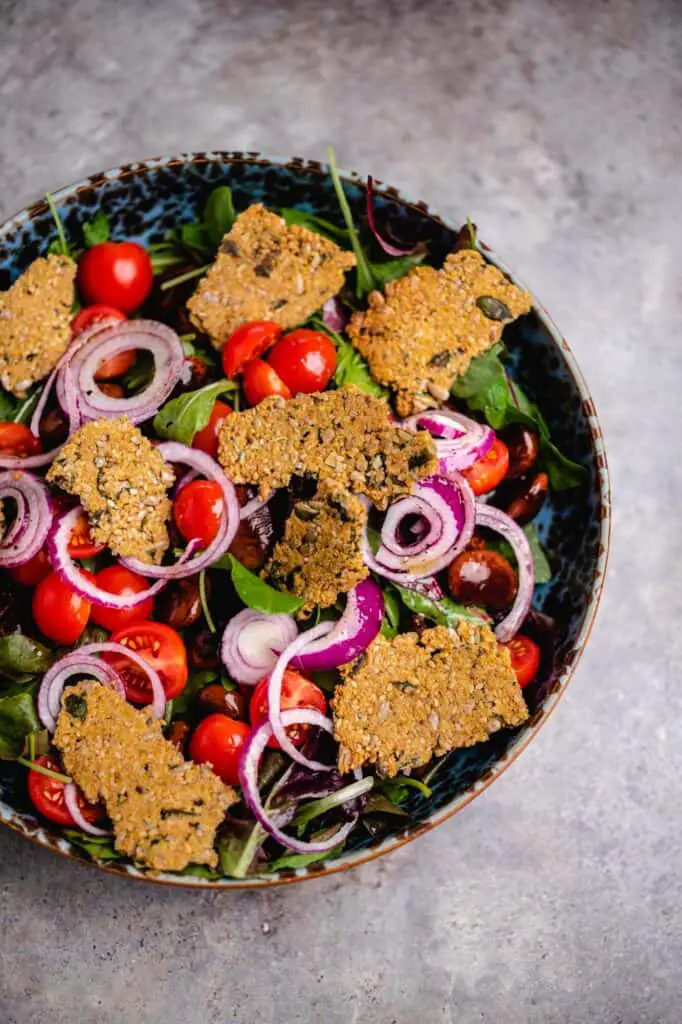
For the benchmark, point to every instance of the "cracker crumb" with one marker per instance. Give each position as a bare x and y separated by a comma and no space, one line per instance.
408,699
426,328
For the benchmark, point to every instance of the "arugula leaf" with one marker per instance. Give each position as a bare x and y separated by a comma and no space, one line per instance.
22,656
255,592
365,281
351,368
391,620
317,224
196,236
543,570
183,417
97,230
219,214
445,612
18,719
389,270
563,473
300,860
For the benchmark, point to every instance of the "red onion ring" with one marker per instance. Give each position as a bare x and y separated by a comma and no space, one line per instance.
173,451
249,764
275,714
71,793
58,550
352,633
33,519
392,250
158,703
333,314
251,644
79,662
495,519
460,441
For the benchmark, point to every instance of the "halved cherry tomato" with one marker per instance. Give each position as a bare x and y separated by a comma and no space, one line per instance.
116,579
525,658
162,647
32,572
58,611
260,381
305,360
116,274
81,543
218,741
197,510
248,342
297,692
207,439
487,472
17,440
47,795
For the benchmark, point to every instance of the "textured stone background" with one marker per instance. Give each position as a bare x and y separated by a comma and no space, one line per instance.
556,126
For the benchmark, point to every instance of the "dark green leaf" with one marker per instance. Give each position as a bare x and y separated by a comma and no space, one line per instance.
327,680
140,373
379,804
25,406
219,214
21,656
445,612
91,634
543,570
397,788
351,368
483,371
317,224
8,406
391,620
199,871
365,280
389,270
300,860
255,592
97,847
238,851
18,719
196,236
76,706
97,230
183,417
563,473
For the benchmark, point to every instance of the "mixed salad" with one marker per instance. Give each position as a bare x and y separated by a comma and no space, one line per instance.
267,496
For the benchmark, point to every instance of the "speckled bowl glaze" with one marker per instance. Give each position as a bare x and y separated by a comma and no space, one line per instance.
142,200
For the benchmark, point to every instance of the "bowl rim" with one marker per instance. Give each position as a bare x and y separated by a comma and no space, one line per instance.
564,675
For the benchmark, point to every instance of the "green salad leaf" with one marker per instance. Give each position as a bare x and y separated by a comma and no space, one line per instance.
445,612
219,214
97,847
389,270
96,231
21,656
351,368
397,789
18,719
365,280
255,592
59,246
543,569
300,860
18,410
184,416
391,620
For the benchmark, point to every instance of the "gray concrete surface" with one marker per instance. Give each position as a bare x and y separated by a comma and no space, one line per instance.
556,896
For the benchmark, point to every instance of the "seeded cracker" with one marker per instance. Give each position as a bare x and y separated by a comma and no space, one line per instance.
407,699
35,319
343,435
267,270
320,555
426,328
122,482
165,810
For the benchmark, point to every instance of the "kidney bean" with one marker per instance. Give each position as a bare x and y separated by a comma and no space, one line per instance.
482,577
522,442
529,498
202,650
179,604
215,698
54,428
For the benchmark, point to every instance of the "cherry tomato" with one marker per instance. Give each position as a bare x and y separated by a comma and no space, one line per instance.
260,381
297,692
488,471
248,342
116,274
81,543
58,611
16,439
525,658
116,579
47,795
218,741
197,510
32,572
162,647
305,360
207,439
482,577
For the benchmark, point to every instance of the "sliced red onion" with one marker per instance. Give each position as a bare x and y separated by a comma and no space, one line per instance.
158,703
251,644
334,314
80,662
253,751
460,441
296,647
58,549
443,510
495,519
173,452
78,387
352,633
392,250
71,801
27,534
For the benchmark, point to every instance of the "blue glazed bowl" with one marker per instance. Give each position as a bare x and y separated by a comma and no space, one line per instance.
143,200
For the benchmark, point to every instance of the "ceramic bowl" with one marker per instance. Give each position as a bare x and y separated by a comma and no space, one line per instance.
142,200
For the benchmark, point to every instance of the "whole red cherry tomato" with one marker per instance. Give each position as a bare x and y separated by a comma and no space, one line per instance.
117,274
116,579
198,509
305,360
218,741
59,612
